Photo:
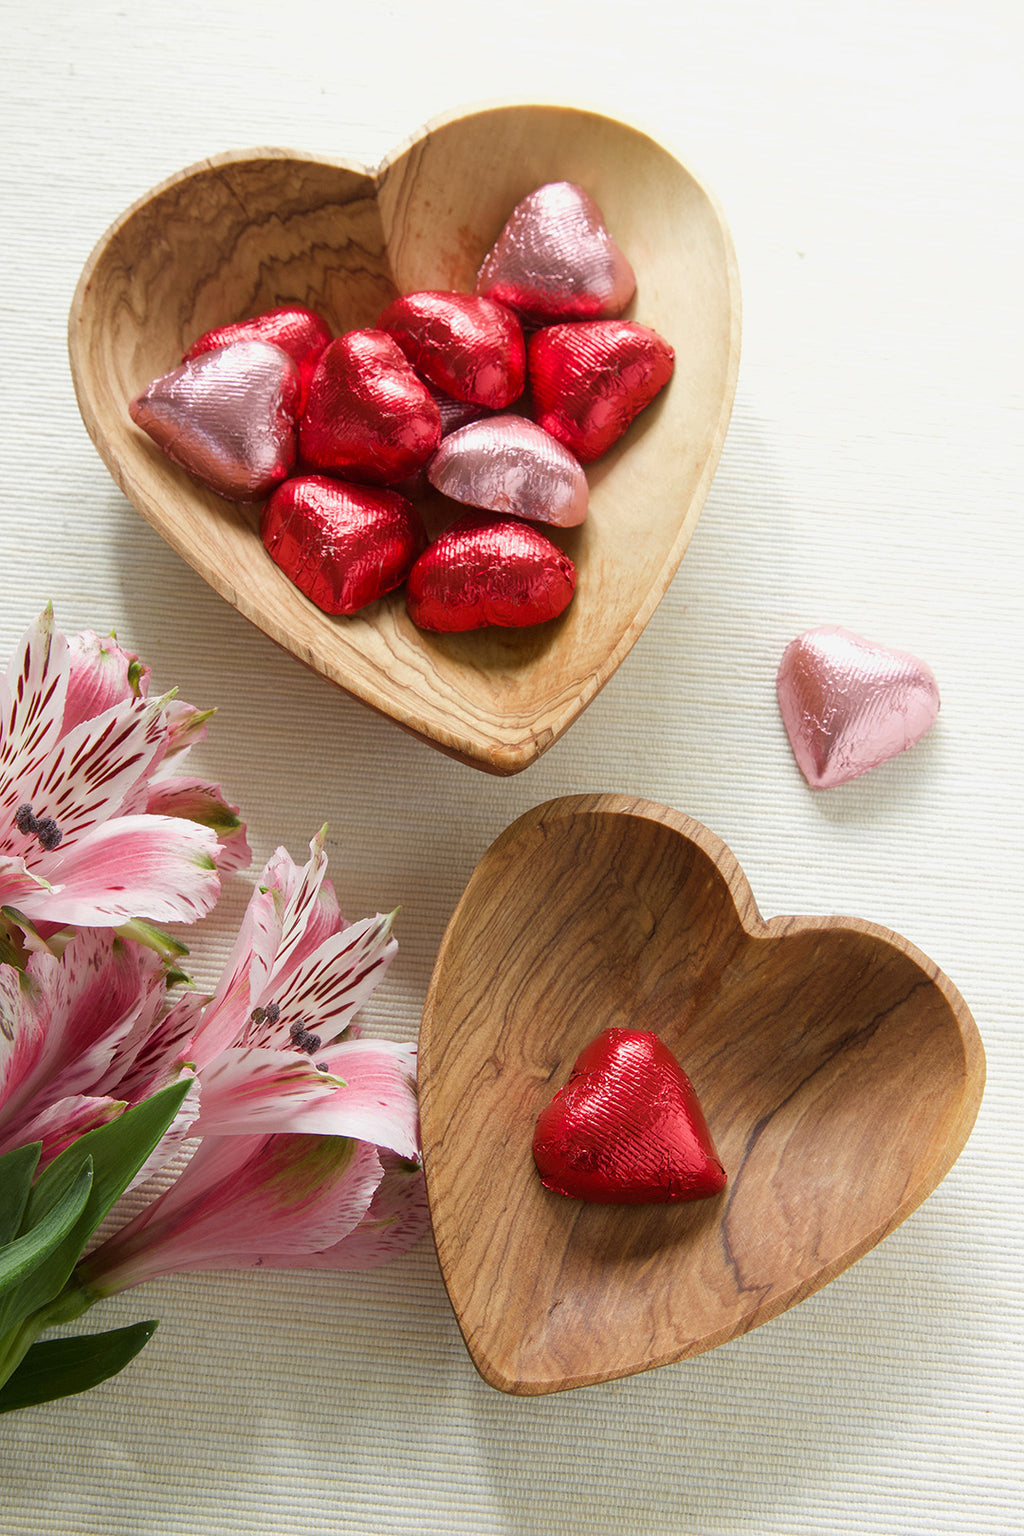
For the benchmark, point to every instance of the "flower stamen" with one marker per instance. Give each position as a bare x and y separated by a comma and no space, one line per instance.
303,1040
44,828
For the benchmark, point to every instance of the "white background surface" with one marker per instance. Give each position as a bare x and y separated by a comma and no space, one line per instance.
868,160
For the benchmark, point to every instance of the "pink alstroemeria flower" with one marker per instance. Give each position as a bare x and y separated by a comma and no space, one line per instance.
96,826
309,1151
276,1049
84,1035
287,1201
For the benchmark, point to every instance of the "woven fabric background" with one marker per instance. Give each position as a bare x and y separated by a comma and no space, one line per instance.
868,160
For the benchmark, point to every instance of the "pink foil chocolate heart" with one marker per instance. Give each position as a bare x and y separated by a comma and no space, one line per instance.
507,464
300,332
848,704
555,260
627,1128
229,417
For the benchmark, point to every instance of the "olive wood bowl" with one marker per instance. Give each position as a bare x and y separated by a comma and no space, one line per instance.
246,232
839,1070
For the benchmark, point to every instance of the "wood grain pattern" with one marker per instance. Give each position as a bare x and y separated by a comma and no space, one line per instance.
244,232
840,1072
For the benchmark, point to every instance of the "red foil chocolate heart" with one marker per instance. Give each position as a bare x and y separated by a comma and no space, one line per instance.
589,381
555,260
486,570
368,416
472,348
228,417
509,465
342,545
302,333
627,1128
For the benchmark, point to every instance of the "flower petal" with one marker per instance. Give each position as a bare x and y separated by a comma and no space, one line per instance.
196,800
91,772
397,1218
156,867
327,987
310,908
238,1198
102,676
378,1102
247,1091
64,1020
31,706
18,884
62,1122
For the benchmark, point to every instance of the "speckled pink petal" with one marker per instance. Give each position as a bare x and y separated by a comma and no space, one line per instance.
555,260
848,704
228,416
510,465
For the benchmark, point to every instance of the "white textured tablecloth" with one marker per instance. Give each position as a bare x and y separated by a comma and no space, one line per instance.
868,159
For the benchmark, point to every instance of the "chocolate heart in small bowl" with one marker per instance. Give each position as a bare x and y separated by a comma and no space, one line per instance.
838,1069
245,233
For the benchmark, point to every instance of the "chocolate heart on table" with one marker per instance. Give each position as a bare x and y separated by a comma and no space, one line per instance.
848,704
297,331
510,465
229,417
555,259
344,546
472,348
486,570
627,1128
255,230
368,416
589,381
839,1070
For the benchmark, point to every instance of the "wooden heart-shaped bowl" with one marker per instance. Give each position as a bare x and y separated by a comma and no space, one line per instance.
839,1070
242,233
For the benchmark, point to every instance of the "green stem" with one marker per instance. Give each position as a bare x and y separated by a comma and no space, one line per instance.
73,1300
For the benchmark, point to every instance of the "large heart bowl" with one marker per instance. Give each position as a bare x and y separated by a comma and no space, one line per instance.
242,233
839,1069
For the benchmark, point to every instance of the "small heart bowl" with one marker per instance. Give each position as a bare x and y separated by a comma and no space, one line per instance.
839,1070
242,233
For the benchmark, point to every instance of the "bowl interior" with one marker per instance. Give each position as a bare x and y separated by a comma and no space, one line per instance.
246,232
839,1072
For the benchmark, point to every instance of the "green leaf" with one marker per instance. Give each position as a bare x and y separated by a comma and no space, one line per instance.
62,1367
118,1150
19,1258
16,1172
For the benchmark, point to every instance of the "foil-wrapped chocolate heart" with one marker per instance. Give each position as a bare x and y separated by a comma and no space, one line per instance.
300,332
368,416
342,545
228,417
486,570
848,704
509,465
589,381
627,1128
470,347
555,260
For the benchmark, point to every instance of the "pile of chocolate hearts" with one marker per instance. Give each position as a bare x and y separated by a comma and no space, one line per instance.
495,399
